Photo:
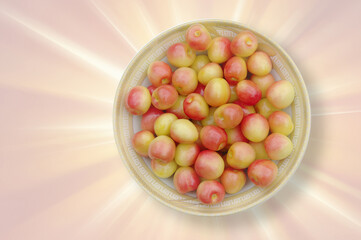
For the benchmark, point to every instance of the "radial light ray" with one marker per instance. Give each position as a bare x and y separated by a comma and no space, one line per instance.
114,26
40,89
146,17
316,196
334,113
67,45
175,11
259,217
238,11
296,24
289,26
334,87
111,142
331,181
310,15
99,127
280,201
113,205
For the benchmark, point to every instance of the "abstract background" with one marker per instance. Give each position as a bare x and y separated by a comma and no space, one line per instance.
60,173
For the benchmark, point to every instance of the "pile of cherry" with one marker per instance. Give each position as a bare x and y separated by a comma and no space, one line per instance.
205,123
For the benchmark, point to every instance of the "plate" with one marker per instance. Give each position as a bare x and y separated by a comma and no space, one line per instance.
125,124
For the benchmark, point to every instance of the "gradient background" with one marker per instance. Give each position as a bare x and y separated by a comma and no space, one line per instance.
60,173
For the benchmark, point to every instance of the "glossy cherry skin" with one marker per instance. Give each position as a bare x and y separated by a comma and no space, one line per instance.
248,92
213,137
210,192
235,70
148,119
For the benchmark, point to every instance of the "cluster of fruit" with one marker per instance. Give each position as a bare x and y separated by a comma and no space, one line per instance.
211,124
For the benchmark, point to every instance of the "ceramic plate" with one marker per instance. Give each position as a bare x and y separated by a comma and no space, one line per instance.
125,125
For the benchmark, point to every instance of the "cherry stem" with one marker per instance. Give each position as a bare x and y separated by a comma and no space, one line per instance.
214,197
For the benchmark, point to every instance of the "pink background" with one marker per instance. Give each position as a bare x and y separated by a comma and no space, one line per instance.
60,173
